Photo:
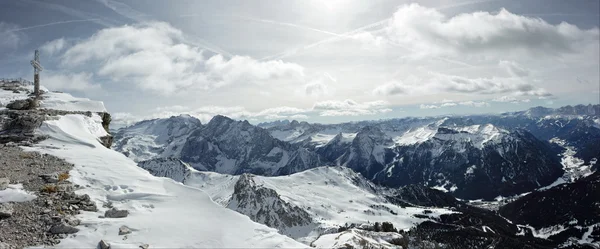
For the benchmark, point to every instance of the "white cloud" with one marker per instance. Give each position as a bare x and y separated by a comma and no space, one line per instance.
53,46
510,99
423,106
514,69
448,104
154,57
69,81
350,108
390,88
474,103
427,29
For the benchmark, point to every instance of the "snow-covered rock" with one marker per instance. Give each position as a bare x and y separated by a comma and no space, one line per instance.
155,138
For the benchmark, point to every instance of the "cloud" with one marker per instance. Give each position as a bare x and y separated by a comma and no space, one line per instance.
69,82
319,86
514,69
53,46
474,103
446,103
391,88
155,57
510,99
426,28
493,85
10,38
350,108
423,106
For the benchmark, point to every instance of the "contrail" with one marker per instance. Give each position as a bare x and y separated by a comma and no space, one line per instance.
328,40
292,25
52,23
352,32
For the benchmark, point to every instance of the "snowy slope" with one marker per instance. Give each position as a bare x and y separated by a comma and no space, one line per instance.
333,196
355,238
163,213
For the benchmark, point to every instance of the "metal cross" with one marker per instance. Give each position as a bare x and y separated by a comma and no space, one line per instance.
37,68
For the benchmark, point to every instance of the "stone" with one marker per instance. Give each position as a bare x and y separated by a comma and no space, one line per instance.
19,104
73,222
6,210
50,178
124,230
115,213
65,187
103,245
63,228
4,183
89,208
144,246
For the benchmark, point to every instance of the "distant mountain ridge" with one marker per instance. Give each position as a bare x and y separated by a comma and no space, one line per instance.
474,156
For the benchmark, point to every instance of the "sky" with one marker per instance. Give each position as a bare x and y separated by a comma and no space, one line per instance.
321,61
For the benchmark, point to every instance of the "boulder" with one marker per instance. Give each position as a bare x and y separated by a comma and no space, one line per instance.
103,245
124,230
50,178
19,104
144,246
4,183
115,213
62,228
6,210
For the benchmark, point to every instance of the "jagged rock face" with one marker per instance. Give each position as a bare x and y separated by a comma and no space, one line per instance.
167,167
367,153
235,147
155,138
513,163
335,148
574,207
264,205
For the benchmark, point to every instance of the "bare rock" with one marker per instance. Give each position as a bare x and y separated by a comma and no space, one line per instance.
63,228
6,210
4,183
103,245
124,230
106,141
144,246
5,246
19,104
115,213
50,178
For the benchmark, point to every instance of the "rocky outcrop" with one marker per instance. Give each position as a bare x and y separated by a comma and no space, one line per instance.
23,104
167,167
264,205
236,147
